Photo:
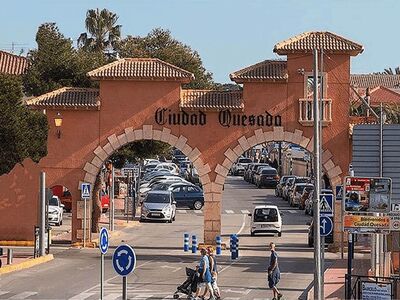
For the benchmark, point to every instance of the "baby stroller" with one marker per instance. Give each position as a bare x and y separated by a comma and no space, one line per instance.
189,286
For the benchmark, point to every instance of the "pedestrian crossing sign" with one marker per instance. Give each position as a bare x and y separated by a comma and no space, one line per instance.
339,192
85,191
326,205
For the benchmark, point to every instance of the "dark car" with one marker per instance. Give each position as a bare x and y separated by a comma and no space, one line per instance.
255,169
187,195
292,183
281,184
267,177
328,239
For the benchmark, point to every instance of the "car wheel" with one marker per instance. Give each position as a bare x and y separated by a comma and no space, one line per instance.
60,222
279,234
197,205
170,220
252,233
310,243
173,219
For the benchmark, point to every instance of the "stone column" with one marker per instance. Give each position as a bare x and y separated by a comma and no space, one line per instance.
212,214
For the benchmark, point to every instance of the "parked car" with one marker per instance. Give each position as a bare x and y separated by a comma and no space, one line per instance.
158,206
171,167
328,238
193,176
281,184
187,195
64,195
56,211
308,210
267,177
247,171
238,167
291,183
267,219
256,169
298,189
304,196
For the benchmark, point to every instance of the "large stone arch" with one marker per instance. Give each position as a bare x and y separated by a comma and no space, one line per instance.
146,132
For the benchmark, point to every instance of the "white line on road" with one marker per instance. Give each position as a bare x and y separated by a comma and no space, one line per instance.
229,211
112,296
181,211
3,293
292,211
245,211
243,225
198,211
23,295
82,296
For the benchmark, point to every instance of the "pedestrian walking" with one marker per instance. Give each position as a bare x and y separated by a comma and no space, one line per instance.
205,275
214,273
274,275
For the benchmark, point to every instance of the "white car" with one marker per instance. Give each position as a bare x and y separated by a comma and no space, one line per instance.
173,168
239,166
158,206
56,211
143,190
267,219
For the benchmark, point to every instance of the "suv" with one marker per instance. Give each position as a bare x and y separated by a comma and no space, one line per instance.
281,185
238,166
56,211
267,176
255,169
266,218
158,206
291,183
298,189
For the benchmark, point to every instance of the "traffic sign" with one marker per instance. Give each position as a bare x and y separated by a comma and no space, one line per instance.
326,204
103,240
325,225
85,190
124,260
339,192
395,207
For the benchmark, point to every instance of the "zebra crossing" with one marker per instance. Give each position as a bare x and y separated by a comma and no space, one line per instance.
228,211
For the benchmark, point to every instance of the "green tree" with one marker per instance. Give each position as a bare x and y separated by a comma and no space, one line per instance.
390,71
23,132
102,31
159,43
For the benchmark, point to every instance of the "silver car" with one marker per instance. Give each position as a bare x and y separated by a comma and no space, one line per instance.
158,206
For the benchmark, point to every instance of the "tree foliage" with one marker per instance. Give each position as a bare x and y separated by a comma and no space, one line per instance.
55,63
390,71
102,31
159,43
135,151
23,132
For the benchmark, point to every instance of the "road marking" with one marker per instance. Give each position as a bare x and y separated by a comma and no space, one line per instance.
245,211
23,295
292,211
181,211
238,291
112,296
229,211
175,269
243,225
198,211
3,293
143,296
82,296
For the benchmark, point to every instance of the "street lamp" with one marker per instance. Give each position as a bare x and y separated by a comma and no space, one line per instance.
58,122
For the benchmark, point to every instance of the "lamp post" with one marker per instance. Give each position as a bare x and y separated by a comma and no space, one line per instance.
58,122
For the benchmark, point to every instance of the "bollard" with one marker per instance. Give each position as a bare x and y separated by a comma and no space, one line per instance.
186,242
237,247
233,247
218,249
194,244
9,256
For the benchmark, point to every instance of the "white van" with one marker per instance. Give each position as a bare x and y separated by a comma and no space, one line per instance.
267,219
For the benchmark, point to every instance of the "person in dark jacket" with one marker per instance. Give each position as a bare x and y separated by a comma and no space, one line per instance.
274,274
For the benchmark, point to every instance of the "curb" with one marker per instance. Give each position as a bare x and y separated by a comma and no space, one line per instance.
17,243
26,264
202,245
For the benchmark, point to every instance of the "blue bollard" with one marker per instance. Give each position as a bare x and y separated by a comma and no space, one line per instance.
218,249
237,247
233,247
186,242
194,244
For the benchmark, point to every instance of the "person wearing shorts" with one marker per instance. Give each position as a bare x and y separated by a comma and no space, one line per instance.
274,274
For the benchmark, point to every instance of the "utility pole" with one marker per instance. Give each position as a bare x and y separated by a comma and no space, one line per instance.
317,178
42,214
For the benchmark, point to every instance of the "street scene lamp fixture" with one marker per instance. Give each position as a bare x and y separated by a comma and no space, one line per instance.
58,122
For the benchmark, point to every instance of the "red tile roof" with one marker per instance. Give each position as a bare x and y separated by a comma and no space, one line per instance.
308,41
211,100
67,97
373,80
267,70
141,69
383,95
12,64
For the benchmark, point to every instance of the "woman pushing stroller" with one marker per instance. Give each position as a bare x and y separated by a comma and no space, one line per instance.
208,274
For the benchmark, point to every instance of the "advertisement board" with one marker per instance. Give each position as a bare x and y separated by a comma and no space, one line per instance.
367,194
376,291
363,223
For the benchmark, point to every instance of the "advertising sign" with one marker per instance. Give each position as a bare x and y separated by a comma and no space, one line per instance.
366,223
376,291
367,194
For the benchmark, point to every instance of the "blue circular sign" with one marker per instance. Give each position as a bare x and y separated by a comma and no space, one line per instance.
124,260
325,225
103,240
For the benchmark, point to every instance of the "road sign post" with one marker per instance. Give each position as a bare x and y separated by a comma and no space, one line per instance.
103,245
124,263
85,195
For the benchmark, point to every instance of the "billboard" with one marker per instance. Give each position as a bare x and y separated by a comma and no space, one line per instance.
363,223
364,194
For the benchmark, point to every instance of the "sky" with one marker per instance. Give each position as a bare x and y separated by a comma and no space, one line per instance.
228,34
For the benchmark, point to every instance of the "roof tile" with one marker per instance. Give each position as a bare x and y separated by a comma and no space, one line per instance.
211,100
12,64
267,70
363,81
67,97
308,41
141,69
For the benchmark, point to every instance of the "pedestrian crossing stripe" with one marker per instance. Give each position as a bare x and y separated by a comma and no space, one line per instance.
23,295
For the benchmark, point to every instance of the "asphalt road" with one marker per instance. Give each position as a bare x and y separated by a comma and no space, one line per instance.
161,262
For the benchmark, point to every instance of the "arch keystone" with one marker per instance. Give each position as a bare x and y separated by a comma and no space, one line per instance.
138,134
252,141
122,139
268,136
298,134
130,135
259,136
113,140
288,136
278,133
147,132
156,135
165,135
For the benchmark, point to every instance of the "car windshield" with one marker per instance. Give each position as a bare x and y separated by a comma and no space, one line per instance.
160,187
53,201
308,189
268,172
301,180
266,215
157,198
244,161
300,188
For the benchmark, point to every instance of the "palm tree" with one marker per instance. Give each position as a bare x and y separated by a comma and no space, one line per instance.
102,31
390,71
